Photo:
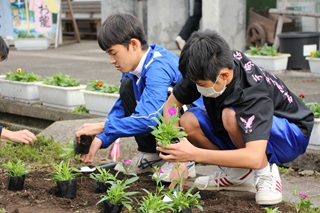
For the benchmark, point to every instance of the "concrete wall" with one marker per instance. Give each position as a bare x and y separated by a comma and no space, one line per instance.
228,18
163,19
109,7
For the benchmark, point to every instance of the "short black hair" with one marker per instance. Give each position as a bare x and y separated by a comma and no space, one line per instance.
204,55
120,28
4,49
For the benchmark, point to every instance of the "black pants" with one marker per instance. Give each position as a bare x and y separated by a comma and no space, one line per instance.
147,143
192,23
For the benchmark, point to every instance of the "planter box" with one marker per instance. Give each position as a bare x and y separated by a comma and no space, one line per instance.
20,91
314,64
99,103
32,43
61,97
274,64
314,142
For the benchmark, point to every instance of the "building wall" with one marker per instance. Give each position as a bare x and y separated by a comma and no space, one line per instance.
228,18
163,19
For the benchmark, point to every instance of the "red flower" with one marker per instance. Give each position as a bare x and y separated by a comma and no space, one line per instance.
99,84
301,95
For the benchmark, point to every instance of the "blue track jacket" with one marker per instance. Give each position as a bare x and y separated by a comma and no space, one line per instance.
160,70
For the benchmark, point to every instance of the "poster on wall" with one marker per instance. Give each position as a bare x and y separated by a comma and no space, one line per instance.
34,18
6,28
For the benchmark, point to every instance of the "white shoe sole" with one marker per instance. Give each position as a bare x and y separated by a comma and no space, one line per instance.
269,202
226,188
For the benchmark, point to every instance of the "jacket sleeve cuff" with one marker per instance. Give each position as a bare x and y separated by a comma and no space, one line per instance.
106,142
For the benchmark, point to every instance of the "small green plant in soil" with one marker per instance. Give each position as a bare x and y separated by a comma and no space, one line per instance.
80,110
103,175
270,210
153,202
61,80
183,200
63,171
305,205
284,170
118,193
15,169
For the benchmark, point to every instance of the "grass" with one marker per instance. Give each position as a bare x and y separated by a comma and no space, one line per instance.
80,110
284,170
42,152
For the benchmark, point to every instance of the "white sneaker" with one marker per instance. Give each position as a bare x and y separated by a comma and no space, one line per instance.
227,179
142,162
180,42
268,187
168,166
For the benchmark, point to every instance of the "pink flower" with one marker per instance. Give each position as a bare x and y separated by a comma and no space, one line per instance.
160,171
127,162
303,195
301,95
172,111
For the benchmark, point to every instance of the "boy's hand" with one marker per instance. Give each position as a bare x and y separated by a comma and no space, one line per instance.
89,129
22,136
94,147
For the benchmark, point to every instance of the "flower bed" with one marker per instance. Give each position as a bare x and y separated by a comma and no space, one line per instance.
40,195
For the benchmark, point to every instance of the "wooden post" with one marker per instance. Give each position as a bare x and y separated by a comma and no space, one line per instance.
75,26
279,25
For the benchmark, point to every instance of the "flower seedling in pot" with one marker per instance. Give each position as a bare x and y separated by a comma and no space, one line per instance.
183,201
117,196
168,132
65,176
101,179
154,202
16,172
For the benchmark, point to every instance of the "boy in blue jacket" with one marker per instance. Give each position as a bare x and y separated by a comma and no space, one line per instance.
147,73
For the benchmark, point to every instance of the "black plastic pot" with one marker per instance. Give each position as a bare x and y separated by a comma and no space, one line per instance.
83,146
102,187
107,207
67,188
15,183
295,43
188,210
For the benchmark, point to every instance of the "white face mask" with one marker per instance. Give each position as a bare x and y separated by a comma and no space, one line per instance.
210,92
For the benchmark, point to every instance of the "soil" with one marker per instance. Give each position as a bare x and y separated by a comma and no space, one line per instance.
40,194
